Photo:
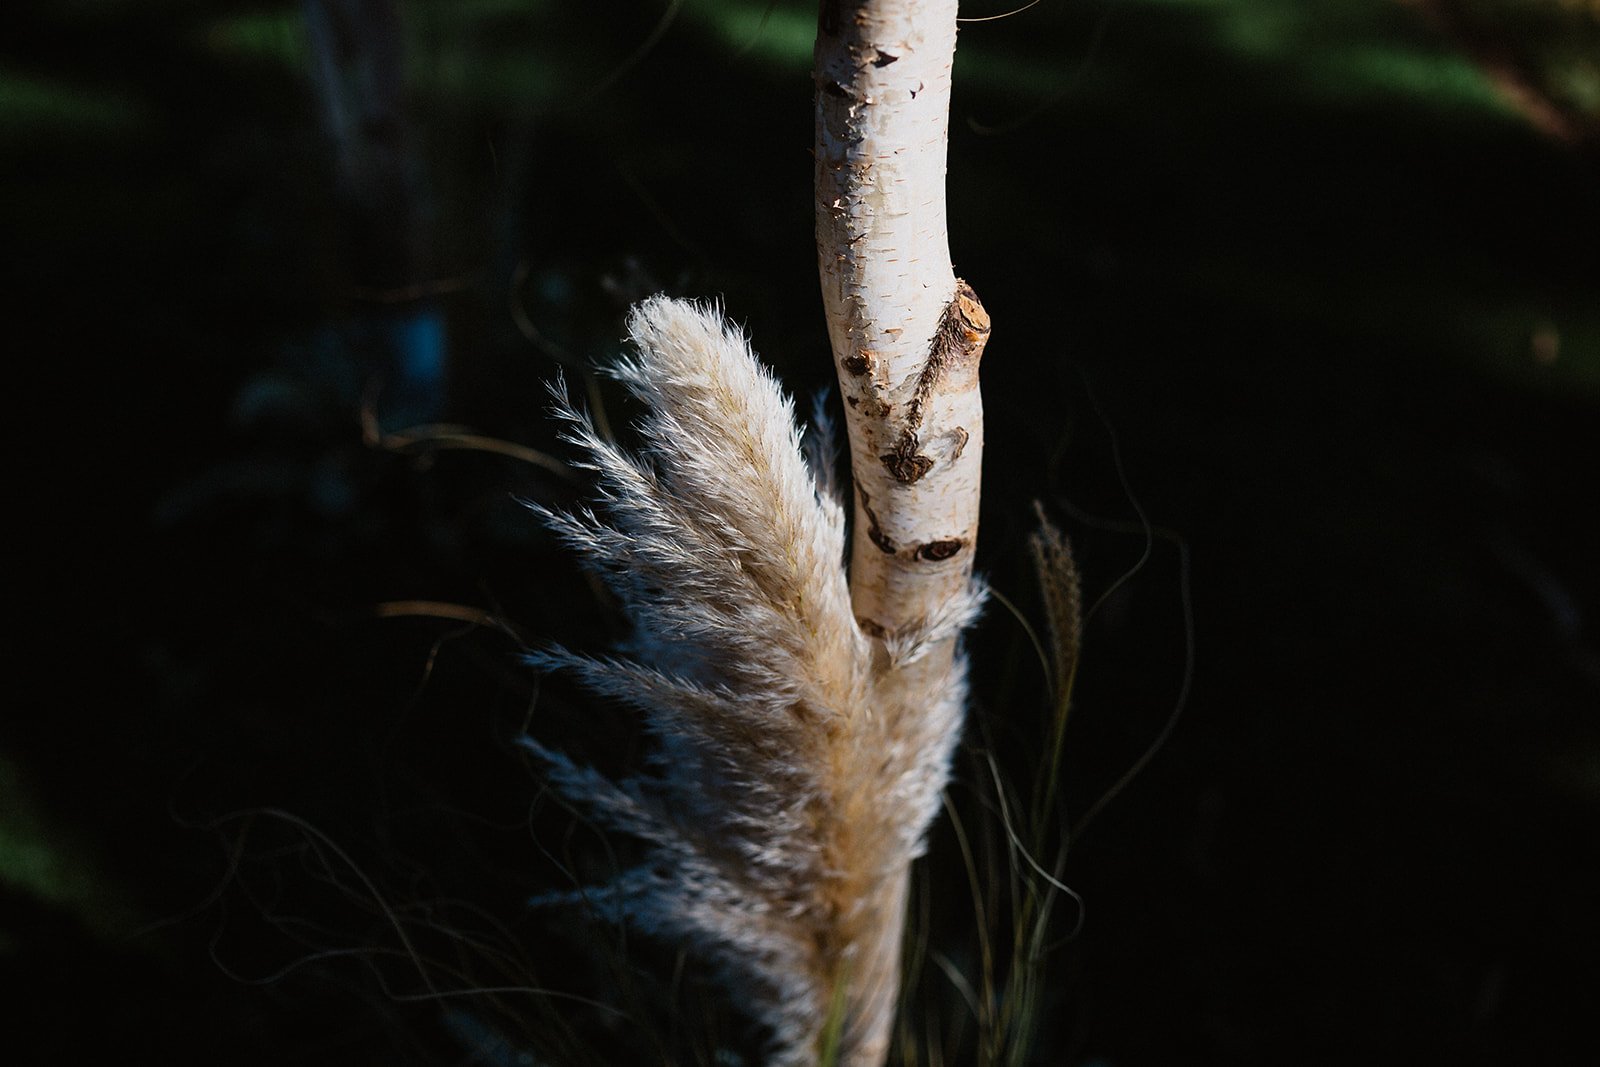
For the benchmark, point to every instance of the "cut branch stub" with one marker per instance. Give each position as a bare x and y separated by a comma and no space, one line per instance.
951,367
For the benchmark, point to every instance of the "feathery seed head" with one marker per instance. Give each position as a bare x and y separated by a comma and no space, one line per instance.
793,785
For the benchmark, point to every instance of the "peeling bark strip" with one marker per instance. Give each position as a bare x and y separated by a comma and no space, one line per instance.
907,337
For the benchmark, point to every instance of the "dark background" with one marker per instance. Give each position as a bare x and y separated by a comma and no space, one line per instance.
1313,286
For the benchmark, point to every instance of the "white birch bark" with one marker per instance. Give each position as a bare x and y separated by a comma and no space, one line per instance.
907,336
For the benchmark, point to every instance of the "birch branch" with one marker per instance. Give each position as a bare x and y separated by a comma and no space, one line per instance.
907,335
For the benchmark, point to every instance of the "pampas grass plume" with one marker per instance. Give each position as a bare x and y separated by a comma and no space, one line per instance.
786,787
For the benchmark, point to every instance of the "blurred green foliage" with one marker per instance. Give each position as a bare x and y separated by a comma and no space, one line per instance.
31,105
43,859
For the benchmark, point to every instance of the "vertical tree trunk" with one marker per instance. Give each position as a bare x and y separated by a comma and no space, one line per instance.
907,336
906,333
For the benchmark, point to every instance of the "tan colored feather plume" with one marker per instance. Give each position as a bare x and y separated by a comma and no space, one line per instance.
788,789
